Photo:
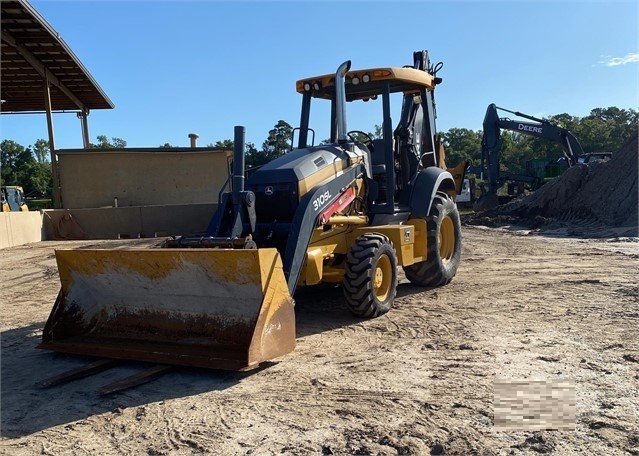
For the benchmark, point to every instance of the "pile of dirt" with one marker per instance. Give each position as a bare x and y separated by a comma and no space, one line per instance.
603,192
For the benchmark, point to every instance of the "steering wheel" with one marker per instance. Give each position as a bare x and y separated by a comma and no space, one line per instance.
358,135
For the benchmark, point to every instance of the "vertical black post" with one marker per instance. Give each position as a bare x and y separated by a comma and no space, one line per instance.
490,146
304,120
340,101
387,127
238,163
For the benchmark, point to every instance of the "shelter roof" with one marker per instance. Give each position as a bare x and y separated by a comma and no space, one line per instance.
32,50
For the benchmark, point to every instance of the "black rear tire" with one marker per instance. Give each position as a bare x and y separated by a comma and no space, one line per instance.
444,245
370,276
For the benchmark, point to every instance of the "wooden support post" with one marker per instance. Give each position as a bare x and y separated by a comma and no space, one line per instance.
57,199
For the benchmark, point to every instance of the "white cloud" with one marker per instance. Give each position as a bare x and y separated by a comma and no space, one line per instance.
628,58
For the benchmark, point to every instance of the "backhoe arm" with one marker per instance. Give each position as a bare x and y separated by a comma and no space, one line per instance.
493,124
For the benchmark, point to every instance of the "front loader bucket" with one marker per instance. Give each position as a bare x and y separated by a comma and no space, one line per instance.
212,308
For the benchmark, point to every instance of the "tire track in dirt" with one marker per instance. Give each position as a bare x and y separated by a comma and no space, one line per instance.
418,380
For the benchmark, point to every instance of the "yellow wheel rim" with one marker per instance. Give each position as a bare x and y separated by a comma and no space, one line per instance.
382,278
446,239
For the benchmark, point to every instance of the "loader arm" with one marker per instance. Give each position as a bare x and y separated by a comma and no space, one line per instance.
306,220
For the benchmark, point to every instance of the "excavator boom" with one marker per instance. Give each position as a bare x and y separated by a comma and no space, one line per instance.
544,129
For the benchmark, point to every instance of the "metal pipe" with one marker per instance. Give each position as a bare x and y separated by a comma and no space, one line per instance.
193,137
340,99
348,220
525,116
389,204
82,115
238,162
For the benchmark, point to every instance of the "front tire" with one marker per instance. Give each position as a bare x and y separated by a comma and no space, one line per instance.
370,276
444,245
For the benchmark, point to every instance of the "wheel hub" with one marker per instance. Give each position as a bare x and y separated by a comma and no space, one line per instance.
446,239
382,278
379,278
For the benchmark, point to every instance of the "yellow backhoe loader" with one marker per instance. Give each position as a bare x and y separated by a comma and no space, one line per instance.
12,199
347,212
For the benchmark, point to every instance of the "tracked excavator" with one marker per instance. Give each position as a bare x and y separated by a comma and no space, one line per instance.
348,212
542,128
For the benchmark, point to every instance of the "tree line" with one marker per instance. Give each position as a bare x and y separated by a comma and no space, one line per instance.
603,130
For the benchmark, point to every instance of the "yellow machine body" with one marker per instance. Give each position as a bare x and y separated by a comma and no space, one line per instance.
408,239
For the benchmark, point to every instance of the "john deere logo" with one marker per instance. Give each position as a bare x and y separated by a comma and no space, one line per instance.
268,191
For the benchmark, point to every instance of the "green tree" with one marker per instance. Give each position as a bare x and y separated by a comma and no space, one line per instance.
253,157
606,129
462,144
278,141
224,144
20,167
105,143
39,173
14,162
41,150
39,179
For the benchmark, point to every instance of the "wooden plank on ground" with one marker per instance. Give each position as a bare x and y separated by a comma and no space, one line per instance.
139,378
79,372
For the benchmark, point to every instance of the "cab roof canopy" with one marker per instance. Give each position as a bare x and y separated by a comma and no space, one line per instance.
368,83
33,52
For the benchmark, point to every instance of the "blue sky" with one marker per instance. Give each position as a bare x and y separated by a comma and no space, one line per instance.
172,68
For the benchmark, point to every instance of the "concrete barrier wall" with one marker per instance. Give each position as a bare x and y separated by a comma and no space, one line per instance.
141,177
127,222
160,192
17,228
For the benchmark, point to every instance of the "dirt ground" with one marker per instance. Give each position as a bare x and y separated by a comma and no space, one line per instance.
418,380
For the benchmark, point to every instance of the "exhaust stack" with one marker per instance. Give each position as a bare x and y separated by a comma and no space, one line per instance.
239,133
340,98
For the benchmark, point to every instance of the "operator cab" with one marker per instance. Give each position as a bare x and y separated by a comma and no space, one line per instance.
395,155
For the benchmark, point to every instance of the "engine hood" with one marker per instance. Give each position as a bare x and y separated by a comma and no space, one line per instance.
304,167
